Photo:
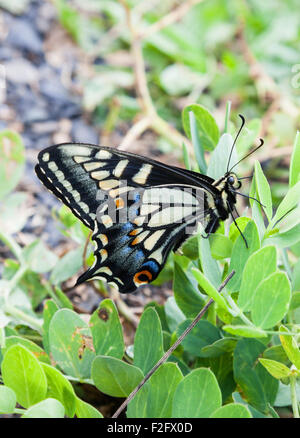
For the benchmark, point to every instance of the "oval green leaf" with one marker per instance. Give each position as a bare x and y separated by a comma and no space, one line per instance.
60,389
148,341
197,396
114,377
71,344
49,408
259,265
271,300
156,398
207,128
232,410
240,254
8,400
12,161
23,373
107,331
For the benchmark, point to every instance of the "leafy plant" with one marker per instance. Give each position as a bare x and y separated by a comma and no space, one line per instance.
233,363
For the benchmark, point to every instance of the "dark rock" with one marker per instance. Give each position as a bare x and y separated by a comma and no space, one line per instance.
82,132
19,70
23,35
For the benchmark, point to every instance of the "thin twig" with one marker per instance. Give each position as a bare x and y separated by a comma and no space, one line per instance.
171,349
149,117
134,132
168,19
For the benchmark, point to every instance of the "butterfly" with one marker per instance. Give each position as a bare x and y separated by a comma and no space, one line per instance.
138,209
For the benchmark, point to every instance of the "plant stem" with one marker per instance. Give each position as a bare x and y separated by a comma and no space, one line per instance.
35,323
295,406
228,108
171,349
13,246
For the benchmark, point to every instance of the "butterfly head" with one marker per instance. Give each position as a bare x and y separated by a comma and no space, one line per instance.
232,181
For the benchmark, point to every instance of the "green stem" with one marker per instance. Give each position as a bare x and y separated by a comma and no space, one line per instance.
76,379
294,396
286,264
227,115
19,314
236,310
13,246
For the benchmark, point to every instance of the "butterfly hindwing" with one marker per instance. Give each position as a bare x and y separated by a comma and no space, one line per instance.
131,248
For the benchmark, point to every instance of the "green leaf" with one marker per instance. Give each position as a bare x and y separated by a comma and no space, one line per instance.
8,400
187,296
197,144
107,330
12,161
290,347
289,202
156,396
85,410
114,377
258,386
288,238
67,266
245,330
240,255
207,127
242,222
271,300
219,347
219,158
23,373
221,246
204,333
174,315
71,343
197,396
276,369
38,352
190,248
276,352
232,410
50,307
148,341
60,389
259,265
209,265
294,174
208,288
39,258
186,157
254,412
263,190
48,408
14,212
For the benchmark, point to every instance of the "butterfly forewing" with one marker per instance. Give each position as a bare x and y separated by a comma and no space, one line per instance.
138,209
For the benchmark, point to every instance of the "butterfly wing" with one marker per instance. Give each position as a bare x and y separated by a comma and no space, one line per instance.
135,216
131,248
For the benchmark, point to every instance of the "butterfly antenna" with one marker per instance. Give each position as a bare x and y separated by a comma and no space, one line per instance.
236,137
245,177
236,224
249,197
250,153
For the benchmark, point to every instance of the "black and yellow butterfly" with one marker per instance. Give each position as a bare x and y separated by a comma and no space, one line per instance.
138,209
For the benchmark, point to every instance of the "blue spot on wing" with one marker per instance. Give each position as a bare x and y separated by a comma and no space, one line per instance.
151,265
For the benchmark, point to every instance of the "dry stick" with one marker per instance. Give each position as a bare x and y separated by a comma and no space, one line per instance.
150,119
170,351
169,19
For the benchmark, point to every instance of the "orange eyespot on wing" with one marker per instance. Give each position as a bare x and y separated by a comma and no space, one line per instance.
142,277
